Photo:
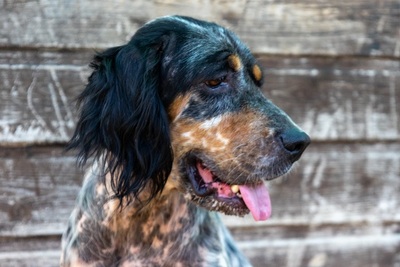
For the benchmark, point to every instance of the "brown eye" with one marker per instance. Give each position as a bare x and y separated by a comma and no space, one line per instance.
215,82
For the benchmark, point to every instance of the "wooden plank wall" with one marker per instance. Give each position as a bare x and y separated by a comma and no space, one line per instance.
334,66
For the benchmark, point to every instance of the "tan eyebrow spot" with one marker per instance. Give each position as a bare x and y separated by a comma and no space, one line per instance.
257,73
234,62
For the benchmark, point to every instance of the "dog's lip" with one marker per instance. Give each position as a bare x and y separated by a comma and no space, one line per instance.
206,183
210,190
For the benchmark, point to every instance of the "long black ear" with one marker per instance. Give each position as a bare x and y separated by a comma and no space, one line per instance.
123,121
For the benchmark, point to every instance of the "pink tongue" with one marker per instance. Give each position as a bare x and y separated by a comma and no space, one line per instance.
257,201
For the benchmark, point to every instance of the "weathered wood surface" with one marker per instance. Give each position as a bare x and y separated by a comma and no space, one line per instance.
37,92
38,252
323,251
334,185
365,27
338,98
339,206
332,99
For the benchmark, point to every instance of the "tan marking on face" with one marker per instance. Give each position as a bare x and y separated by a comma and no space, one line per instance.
207,134
218,137
232,145
234,62
176,108
257,73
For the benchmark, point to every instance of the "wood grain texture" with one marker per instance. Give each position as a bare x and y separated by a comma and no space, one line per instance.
38,189
291,27
30,252
37,95
333,99
337,98
346,184
349,251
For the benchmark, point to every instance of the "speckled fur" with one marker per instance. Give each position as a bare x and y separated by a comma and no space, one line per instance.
170,231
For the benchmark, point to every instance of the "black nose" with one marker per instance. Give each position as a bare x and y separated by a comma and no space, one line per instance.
294,141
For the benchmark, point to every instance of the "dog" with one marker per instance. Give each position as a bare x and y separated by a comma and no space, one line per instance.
176,129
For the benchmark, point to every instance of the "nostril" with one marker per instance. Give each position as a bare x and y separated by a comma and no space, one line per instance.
295,141
293,146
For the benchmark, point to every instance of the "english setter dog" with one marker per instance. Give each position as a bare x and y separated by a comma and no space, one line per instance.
176,129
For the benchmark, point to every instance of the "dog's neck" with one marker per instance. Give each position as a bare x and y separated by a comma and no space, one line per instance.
168,231
167,214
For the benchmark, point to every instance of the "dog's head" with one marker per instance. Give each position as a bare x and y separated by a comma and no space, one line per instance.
180,107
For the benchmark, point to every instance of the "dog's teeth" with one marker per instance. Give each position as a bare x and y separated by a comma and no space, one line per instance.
235,188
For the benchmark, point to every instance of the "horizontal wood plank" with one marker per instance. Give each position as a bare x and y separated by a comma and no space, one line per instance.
291,27
39,258
38,189
332,184
329,251
38,92
30,252
337,98
332,99
346,251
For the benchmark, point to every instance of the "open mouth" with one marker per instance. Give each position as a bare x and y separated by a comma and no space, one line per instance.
239,197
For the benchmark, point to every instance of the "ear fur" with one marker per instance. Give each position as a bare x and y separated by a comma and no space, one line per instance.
123,121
